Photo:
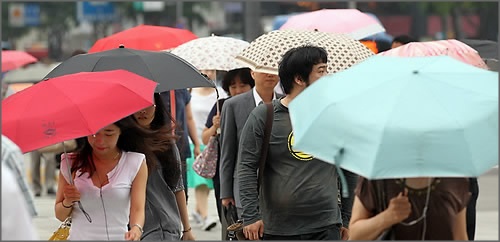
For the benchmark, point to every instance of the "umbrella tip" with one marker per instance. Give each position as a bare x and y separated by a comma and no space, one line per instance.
121,46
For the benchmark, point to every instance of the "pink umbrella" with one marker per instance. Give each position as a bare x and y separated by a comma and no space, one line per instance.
13,59
352,22
450,47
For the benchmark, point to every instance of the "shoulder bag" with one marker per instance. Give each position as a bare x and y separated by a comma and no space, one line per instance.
205,163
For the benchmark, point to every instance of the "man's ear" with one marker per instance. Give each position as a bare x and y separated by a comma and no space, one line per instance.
298,80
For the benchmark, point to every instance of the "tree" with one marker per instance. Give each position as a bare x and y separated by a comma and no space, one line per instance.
487,11
488,15
419,19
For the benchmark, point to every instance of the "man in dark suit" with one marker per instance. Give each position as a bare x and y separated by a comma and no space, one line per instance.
234,115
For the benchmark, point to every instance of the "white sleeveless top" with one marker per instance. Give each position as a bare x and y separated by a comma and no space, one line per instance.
110,215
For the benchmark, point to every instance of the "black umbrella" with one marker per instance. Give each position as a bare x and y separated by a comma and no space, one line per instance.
487,49
169,70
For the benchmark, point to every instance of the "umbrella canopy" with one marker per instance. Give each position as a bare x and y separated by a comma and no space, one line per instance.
170,71
492,64
145,37
31,74
212,53
13,59
381,36
352,22
394,117
264,53
449,47
72,106
487,49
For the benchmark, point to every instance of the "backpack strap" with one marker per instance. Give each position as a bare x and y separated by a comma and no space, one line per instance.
265,143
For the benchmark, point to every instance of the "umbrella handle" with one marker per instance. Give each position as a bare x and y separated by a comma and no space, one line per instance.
67,164
72,183
343,181
172,110
217,107
345,191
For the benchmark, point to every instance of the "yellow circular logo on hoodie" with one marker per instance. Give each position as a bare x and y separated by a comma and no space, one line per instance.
297,154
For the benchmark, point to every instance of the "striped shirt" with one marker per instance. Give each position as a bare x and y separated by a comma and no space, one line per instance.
13,158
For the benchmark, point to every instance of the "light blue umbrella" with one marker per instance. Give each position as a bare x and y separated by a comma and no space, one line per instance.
393,117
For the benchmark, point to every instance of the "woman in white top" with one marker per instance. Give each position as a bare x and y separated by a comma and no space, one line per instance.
109,190
202,99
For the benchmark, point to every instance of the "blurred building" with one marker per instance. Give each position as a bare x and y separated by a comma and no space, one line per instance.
228,19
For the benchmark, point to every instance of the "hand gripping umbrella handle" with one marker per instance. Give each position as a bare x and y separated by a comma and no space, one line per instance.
71,182
67,164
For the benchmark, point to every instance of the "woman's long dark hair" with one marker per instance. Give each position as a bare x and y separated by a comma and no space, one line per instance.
132,137
161,129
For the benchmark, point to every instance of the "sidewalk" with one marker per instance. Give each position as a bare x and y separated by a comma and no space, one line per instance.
46,223
486,224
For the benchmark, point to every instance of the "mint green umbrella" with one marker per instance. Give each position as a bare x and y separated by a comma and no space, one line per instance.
393,117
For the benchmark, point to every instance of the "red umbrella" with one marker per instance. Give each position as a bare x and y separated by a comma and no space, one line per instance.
145,37
13,59
72,106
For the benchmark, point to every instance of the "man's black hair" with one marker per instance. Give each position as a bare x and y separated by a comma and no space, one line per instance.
298,62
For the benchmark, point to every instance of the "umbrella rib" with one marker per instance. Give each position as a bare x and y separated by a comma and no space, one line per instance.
455,119
459,87
69,98
124,86
97,62
379,141
24,111
147,67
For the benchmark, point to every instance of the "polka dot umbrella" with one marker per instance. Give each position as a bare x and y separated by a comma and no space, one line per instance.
264,53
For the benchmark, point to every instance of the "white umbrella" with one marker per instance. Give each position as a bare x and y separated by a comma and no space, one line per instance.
212,53
31,74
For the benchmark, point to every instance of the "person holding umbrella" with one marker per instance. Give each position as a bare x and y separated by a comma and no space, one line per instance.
201,100
106,174
235,82
426,208
110,181
166,204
